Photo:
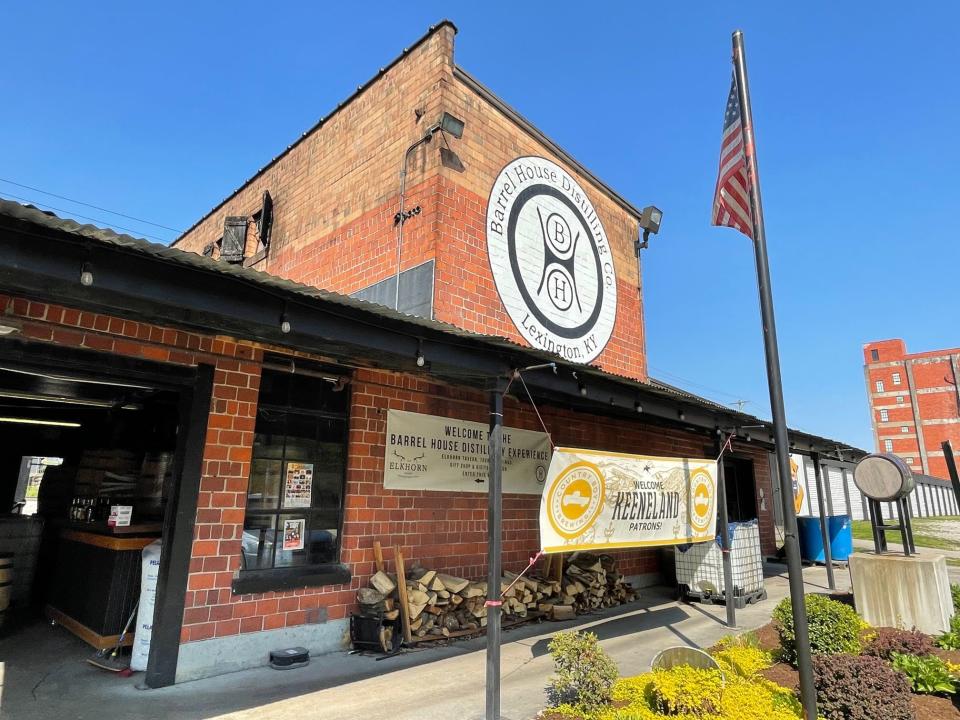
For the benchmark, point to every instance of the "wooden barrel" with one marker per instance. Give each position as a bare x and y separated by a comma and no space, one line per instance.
884,477
6,580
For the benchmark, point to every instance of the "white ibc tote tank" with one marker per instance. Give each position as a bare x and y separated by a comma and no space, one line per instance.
149,571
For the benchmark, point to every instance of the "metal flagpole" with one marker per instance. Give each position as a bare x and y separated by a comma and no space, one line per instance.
808,694
494,547
725,534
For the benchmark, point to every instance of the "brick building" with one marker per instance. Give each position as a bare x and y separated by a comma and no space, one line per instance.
511,254
914,402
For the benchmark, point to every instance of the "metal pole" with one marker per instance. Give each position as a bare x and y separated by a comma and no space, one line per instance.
494,548
808,693
951,468
824,529
725,535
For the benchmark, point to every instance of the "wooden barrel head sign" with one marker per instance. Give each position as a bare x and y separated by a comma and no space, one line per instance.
884,477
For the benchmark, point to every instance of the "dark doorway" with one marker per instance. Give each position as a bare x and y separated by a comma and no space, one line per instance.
741,489
130,436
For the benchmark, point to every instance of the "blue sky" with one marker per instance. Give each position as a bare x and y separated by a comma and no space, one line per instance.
159,112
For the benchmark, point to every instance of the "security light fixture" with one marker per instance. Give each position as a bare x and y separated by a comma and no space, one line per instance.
453,126
650,218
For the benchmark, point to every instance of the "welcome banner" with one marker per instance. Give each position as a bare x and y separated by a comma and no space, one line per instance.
596,500
427,452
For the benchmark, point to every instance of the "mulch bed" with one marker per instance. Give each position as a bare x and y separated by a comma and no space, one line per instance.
767,637
931,707
783,675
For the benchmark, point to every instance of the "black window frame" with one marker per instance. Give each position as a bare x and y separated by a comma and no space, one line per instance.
256,580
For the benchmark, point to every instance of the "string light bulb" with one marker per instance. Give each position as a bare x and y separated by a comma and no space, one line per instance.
284,324
86,275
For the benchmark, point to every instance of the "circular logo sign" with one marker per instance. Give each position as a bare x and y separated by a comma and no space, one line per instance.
575,499
551,260
701,500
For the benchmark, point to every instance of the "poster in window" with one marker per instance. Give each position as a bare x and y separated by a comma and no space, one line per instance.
293,534
299,485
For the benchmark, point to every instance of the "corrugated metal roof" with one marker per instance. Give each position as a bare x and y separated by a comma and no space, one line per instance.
44,219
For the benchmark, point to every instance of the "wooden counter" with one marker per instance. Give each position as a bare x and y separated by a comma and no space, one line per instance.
96,584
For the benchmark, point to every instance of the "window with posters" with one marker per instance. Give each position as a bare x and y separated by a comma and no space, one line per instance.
297,474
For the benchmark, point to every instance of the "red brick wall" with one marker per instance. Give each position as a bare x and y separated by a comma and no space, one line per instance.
337,190
446,531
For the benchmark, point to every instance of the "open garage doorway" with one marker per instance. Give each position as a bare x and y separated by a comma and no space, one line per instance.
94,451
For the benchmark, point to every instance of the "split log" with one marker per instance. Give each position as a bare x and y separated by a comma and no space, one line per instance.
382,582
453,584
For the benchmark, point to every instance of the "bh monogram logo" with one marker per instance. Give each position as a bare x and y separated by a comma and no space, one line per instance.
551,259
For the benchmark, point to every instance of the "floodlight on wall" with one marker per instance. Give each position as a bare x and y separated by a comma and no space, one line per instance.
451,125
650,218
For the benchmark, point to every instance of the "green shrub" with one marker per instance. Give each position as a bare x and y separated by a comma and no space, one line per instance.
950,640
584,673
864,687
887,641
834,627
928,675
955,594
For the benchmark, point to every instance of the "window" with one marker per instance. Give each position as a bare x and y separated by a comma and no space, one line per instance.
297,475
879,386
874,355
900,399
904,429
888,445
416,291
896,378
884,416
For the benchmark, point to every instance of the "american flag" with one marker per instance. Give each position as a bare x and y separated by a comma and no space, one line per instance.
731,203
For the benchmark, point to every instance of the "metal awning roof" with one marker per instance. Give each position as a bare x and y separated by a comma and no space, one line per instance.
137,278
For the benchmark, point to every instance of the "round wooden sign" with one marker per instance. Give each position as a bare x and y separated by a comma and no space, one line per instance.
883,477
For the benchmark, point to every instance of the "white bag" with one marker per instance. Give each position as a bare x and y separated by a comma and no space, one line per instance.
149,571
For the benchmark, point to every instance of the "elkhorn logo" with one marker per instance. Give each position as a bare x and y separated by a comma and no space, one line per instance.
551,259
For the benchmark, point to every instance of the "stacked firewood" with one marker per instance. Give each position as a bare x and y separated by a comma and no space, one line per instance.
441,605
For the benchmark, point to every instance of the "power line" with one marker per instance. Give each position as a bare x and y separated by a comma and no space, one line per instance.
695,384
102,223
95,207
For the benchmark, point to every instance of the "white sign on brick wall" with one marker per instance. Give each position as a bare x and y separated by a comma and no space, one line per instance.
551,259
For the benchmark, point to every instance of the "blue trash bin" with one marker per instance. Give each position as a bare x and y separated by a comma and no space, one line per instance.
811,540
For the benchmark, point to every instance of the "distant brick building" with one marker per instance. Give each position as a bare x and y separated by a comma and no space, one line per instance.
914,402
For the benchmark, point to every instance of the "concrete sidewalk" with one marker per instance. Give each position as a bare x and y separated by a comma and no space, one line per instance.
441,682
